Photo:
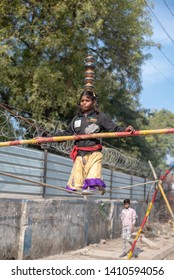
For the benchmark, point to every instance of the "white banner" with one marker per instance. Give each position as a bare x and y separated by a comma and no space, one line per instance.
86,269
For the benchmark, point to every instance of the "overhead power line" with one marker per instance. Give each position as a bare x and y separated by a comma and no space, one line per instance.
162,74
168,8
155,17
168,59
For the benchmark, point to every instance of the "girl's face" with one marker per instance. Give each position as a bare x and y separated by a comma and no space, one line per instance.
86,103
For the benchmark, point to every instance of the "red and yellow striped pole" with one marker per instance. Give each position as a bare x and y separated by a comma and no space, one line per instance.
142,224
86,136
147,214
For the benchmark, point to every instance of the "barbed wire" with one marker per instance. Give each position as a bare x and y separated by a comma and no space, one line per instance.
13,127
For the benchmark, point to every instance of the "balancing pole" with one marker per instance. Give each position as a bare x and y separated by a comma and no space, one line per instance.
147,214
86,136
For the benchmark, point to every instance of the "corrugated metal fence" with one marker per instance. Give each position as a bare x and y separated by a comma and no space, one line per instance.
54,170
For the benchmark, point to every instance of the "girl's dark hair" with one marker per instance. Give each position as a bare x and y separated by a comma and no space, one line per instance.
92,95
126,201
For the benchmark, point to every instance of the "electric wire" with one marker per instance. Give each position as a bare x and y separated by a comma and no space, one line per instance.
168,8
156,18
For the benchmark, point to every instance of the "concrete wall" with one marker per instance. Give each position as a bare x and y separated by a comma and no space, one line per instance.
32,229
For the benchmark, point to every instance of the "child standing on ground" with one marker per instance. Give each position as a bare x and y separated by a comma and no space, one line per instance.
128,218
86,174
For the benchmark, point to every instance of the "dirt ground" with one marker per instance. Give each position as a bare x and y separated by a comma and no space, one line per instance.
156,243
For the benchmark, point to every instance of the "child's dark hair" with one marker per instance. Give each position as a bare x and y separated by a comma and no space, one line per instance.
126,201
92,95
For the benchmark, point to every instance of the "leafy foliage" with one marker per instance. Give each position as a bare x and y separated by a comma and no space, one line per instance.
161,145
43,46
44,43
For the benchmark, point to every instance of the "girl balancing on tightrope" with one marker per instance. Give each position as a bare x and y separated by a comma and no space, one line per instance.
86,174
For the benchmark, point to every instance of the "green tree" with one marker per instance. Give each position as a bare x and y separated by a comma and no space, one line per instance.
43,47
161,144
44,43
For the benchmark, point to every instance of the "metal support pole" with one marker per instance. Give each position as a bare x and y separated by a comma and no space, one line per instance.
45,170
148,210
165,199
159,186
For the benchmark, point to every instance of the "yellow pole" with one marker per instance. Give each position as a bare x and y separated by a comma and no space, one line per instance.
165,198
150,207
159,186
142,224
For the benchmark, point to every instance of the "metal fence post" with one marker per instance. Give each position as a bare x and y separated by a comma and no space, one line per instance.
131,183
45,170
145,189
111,182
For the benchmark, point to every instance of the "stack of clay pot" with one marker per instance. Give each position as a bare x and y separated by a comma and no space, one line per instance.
89,73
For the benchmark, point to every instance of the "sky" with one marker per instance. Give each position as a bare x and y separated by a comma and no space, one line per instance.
158,72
